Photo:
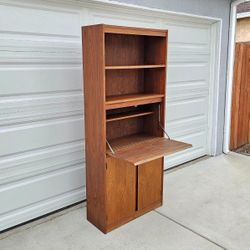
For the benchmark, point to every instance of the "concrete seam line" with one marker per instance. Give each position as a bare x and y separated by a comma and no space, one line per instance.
193,231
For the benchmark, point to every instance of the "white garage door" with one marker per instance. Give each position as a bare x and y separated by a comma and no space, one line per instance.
41,125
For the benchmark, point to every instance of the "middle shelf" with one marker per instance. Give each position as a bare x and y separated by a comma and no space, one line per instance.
122,101
143,66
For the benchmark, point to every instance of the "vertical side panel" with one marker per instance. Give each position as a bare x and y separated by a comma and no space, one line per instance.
95,127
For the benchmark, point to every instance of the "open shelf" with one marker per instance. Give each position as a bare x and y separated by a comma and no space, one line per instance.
152,66
140,148
127,115
121,101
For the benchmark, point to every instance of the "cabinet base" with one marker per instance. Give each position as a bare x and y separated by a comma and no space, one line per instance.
137,214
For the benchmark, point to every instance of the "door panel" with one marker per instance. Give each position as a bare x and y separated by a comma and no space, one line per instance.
150,177
121,190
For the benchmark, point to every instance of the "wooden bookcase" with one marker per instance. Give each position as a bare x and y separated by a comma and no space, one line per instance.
124,96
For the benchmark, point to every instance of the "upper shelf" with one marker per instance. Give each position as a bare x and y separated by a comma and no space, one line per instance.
122,101
145,66
138,149
113,29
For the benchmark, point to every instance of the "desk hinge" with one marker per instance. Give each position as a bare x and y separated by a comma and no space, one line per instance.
159,121
165,132
110,148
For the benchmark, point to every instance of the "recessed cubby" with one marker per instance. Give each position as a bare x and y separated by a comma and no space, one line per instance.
133,50
133,121
134,81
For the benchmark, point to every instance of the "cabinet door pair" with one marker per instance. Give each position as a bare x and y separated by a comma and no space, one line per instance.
131,190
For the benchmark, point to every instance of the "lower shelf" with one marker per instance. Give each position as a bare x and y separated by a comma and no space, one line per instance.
141,148
122,101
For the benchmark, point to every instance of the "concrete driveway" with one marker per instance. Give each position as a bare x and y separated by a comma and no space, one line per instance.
206,206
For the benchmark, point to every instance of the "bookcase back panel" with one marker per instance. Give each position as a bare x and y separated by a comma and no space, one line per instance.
135,81
139,108
151,123
124,49
155,50
121,82
122,128
154,81
148,124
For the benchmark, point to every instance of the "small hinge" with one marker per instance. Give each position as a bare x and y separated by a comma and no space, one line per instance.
159,121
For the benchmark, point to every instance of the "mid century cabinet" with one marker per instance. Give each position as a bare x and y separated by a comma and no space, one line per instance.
124,96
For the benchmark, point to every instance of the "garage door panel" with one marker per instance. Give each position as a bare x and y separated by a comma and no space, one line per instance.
187,72
183,50
110,17
35,107
185,90
52,184
179,56
32,211
25,80
16,139
188,131
188,34
185,108
21,166
44,20
184,157
191,124
41,106
197,139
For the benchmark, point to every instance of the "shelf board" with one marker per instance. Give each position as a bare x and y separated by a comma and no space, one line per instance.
149,66
121,101
127,115
140,148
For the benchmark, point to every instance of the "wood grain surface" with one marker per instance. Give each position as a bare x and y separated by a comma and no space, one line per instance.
240,115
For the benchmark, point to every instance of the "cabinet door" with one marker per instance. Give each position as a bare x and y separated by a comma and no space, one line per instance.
150,178
121,190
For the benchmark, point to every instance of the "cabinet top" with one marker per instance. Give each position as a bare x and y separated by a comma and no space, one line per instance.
127,30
